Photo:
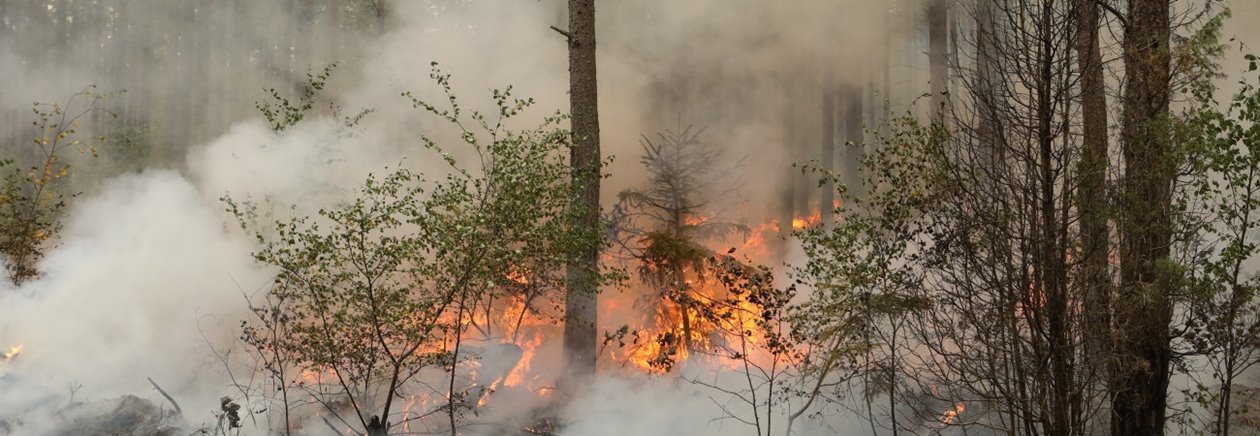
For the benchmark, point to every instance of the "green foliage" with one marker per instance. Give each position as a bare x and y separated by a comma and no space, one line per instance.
863,271
1196,55
373,291
282,114
30,199
1223,185
664,253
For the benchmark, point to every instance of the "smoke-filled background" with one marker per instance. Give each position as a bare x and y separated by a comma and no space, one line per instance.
150,277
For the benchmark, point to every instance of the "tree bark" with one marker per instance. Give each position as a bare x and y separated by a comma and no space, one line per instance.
853,134
580,299
828,160
1140,377
988,131
938,56
1092,195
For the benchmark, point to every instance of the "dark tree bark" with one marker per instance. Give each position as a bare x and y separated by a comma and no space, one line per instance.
1140,376
828,160
1092,195
852,113
938,56
580,296
377,427
791,173
986,88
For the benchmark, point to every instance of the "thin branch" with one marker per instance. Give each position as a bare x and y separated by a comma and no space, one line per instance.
562,32
1123,22
178,411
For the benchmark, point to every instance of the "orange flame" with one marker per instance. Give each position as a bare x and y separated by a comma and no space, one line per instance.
950,415
518,374
13,352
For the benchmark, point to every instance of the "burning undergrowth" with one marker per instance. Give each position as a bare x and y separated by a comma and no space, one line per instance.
152,280
489,360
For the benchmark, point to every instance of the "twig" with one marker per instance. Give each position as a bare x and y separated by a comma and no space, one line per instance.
1119,16
566,34
330,424
164,394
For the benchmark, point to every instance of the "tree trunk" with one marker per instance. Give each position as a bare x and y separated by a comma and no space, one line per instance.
987,93
580,289
853,134
377,427
791,172
828,160
382,11
1140,377
938,56
1052,266
1092,196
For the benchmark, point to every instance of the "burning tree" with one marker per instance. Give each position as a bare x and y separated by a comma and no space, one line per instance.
662,228
373,294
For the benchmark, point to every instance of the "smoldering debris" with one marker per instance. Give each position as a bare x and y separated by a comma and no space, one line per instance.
125,415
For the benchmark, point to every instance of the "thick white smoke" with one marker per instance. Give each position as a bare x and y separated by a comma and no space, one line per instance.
143,264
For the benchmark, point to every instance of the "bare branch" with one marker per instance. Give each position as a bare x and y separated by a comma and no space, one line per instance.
1119,16
178,411
562,32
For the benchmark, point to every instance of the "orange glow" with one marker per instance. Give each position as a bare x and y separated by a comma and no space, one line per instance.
950,415
315,377
518,276
648,355
659,336
13,352
697,220
802,223
521,371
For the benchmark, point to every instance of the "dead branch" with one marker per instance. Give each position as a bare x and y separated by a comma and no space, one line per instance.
178,411
562,32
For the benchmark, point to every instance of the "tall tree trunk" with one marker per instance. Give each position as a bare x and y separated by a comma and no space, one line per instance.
853,134
1140,377
1051,267
382,12
790,173
987,95
580,289
938,55
1092,194
828,160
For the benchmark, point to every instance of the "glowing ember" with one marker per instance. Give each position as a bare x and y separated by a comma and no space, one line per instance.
13,352
950,415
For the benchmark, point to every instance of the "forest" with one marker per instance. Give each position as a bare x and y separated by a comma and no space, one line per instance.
651,217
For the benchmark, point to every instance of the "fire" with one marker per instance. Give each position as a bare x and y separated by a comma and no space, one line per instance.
697,220
528,349
805,222
518,276
802,223
659,345
950,415
13,352
659,339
